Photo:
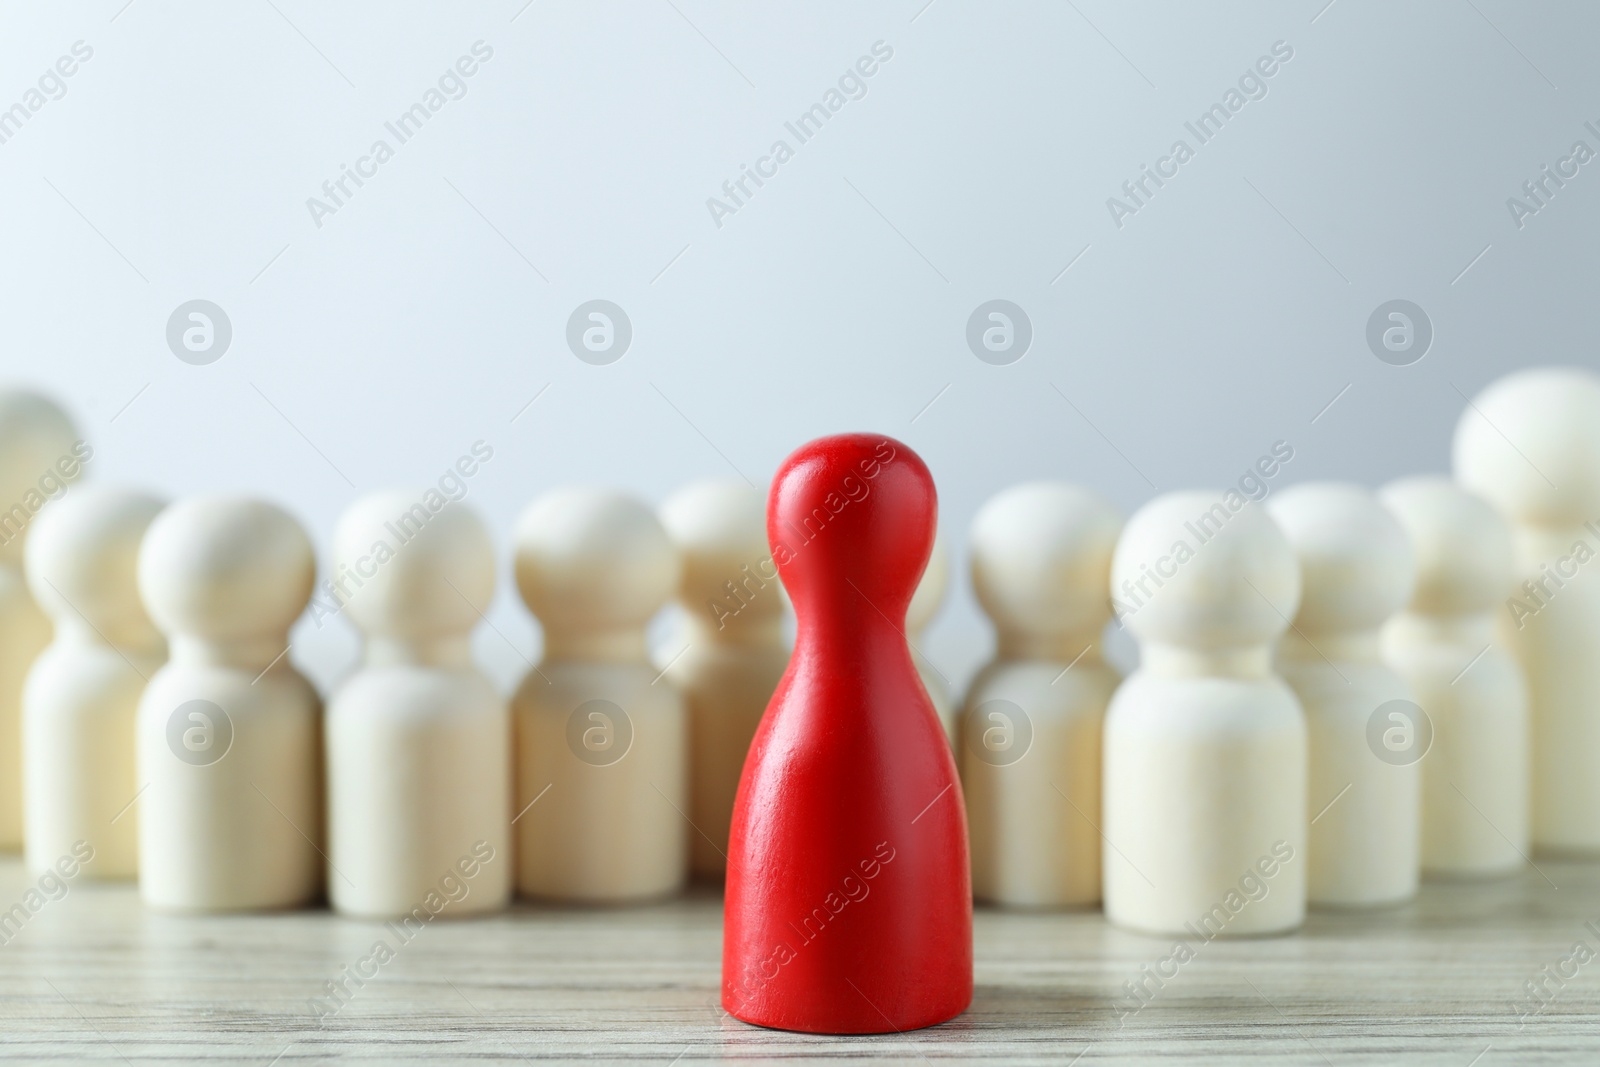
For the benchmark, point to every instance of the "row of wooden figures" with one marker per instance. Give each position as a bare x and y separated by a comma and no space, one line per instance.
1337,691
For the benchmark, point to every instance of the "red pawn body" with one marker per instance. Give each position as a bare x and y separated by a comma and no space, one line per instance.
849,899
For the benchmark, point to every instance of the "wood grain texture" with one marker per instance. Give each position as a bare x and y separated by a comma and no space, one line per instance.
94,977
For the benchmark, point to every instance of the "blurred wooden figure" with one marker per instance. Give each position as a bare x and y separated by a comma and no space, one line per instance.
40,453
229,734
1530,445
1205,746
1030,731
82,695
601,748
1366,735
1475,776
418,740
731,650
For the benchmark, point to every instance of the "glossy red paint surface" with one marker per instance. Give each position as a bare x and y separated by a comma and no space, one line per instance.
849,900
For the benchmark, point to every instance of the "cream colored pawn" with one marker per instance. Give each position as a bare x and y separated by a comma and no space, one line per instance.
925,604
730,653
1475,777
1530,445
1205,747
418,740
82,695
1365,734
229,734
601,744
1029,741
39,455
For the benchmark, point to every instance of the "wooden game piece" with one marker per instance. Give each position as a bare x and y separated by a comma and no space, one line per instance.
1475,777
1205,746
849,900
1029,741
229,734
730,651
925,604
418,739
1356,571
601,738
40,454
82,695
1530,445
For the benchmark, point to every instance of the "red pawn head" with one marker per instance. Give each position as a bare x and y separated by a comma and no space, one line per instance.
849,901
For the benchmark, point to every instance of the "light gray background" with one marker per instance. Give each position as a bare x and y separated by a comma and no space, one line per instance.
1225,316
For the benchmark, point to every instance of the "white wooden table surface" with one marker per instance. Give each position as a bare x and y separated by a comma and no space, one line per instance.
95,977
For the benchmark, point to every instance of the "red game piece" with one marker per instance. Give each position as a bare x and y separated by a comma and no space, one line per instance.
849,899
